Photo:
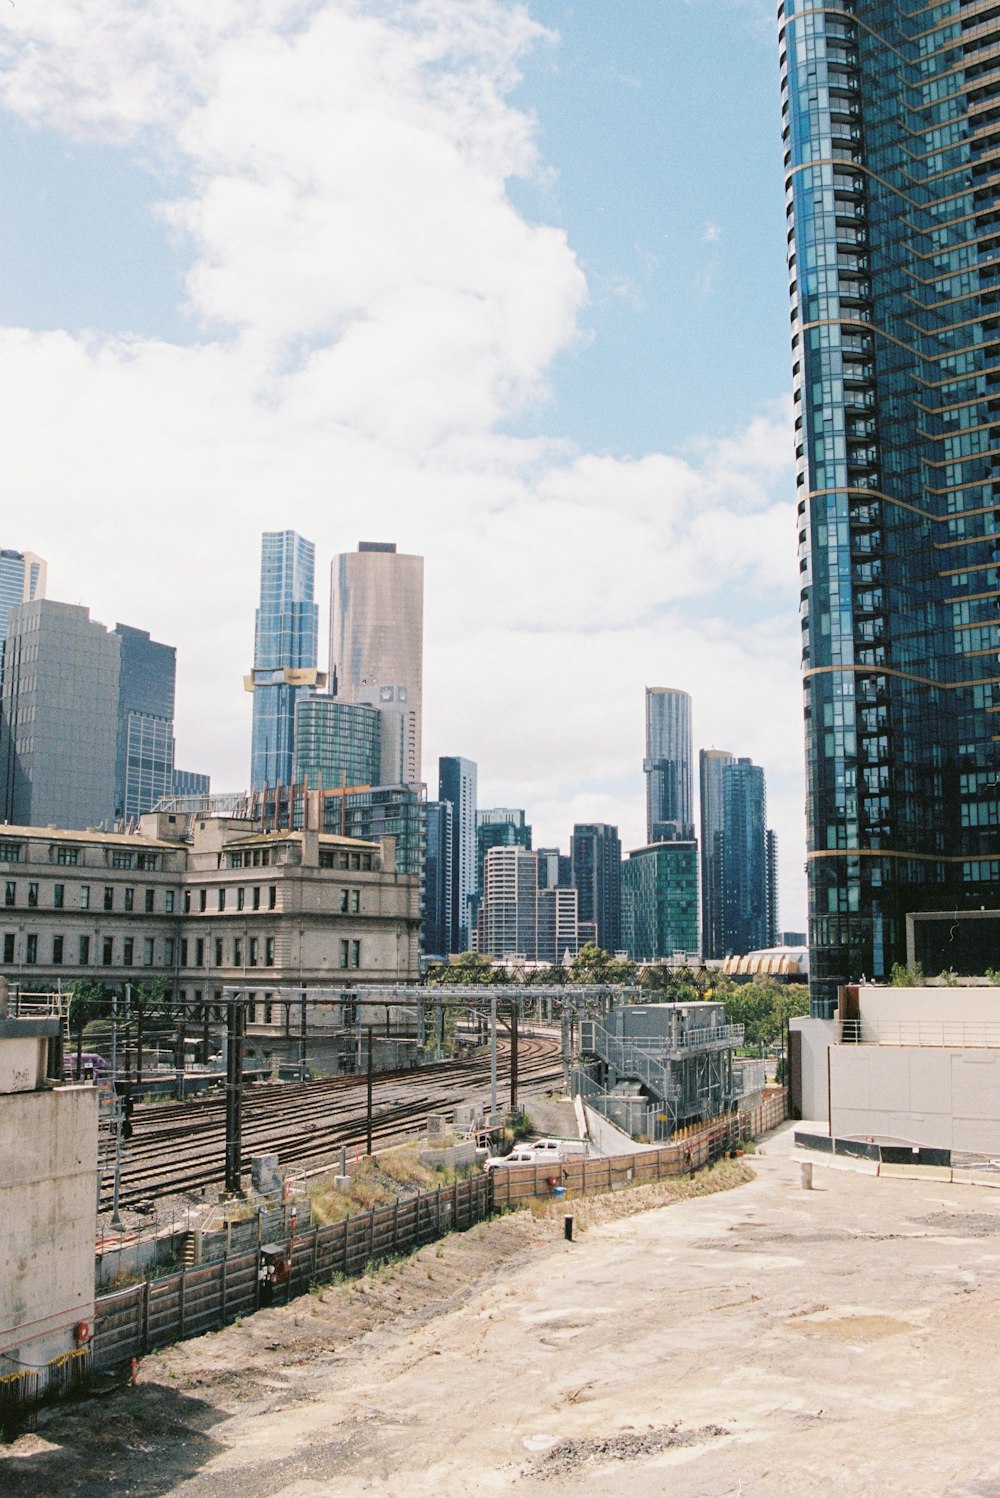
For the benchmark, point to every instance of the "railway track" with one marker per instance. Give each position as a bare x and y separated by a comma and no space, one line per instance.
180,1148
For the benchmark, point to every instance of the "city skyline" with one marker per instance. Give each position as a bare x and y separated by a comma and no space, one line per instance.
569,368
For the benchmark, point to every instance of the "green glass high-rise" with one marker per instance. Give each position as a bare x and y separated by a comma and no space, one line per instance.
891,122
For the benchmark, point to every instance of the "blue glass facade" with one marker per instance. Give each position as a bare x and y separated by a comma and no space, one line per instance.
284,660
22,578
435,928
144,766
889,121
744,858
668,765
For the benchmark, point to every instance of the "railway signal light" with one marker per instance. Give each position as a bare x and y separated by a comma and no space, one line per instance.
128,1108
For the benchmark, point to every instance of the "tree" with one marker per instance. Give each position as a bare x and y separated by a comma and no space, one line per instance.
469,967
901,976
593,965
762,1007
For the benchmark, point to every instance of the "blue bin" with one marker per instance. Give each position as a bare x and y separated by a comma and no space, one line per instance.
559,1191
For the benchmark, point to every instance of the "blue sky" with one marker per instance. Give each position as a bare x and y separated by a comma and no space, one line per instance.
502,283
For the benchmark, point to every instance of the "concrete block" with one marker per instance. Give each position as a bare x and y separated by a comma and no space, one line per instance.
917,1172
264,1175
455,1156
437,1128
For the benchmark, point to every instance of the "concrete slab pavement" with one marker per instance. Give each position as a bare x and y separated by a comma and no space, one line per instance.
764,1341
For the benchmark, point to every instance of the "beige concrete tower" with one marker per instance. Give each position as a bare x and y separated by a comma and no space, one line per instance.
377,646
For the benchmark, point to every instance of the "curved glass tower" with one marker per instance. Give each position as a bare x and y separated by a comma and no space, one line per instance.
891,121
667,765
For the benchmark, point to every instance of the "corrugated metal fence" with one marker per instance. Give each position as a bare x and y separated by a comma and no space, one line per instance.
515,1184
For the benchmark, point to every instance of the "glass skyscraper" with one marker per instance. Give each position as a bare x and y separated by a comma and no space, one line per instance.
22,578
744,883
377,646
336,743
596,853
889,114
660,901
284,657
669,786
457,785
144,766
711,770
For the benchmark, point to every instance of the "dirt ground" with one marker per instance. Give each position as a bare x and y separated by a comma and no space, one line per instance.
691,1341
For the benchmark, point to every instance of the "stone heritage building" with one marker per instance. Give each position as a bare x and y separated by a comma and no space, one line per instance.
202,903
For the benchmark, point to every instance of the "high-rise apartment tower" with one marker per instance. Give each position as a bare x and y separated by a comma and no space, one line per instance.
889,113
596,852
711,771
457,785
667,765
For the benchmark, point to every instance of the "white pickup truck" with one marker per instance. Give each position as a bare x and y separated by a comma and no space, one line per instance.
541,1152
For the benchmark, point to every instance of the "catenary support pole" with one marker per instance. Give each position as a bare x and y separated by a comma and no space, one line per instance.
493,1055
234,1095
513,1056
368,1115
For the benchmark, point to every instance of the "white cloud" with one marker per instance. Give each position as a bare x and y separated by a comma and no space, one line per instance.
372,311
711,234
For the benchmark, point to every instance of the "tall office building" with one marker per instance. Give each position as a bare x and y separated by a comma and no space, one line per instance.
555,869
711,773
596,853
772,936
59,716
190,783
377,646
660,901
744,858
22,578
435,927
284,655
144,768
667,765
893,206
457,785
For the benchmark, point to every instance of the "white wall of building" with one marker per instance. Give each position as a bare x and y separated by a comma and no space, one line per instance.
48,1184
818,1035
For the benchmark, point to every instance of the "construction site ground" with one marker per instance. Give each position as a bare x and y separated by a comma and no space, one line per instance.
692,1341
